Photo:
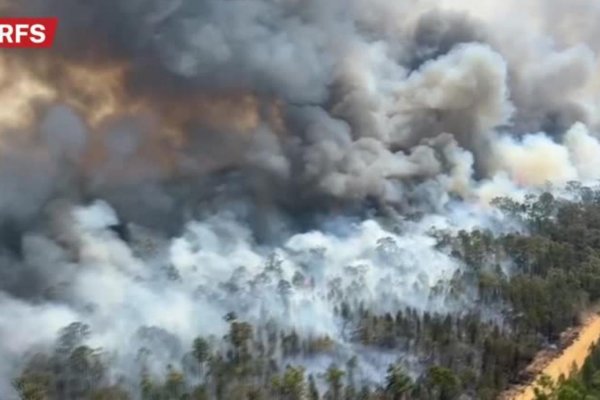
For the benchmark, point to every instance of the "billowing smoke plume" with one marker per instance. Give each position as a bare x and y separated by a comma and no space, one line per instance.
170,162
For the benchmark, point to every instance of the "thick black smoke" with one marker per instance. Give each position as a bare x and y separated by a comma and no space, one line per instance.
355,87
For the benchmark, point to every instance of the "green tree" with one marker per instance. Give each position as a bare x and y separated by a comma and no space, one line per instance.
175,384
240,334
33,386
333,377
398,383
201,350
292,386
444,382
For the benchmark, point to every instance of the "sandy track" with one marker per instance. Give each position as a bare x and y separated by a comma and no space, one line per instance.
575,353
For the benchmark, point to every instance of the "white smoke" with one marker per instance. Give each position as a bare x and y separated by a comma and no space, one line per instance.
186,285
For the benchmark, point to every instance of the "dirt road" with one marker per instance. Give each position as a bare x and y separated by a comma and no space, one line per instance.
576,353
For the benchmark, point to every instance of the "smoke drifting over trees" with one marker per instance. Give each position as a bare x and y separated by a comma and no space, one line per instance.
292,164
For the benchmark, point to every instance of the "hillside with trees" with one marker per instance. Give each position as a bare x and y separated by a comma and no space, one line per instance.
553,275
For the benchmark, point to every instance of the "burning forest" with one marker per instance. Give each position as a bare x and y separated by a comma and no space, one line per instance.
296,199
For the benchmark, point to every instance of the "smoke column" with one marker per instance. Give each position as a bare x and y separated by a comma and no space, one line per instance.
170,162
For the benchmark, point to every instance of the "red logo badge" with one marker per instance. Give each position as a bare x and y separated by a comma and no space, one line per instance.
27,32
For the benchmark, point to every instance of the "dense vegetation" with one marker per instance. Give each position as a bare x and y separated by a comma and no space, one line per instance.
554,275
